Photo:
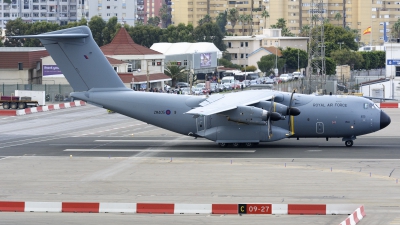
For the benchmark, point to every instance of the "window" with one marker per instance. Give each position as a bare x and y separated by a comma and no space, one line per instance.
108,14
229,45
241,56
35,7
99,8
185,62
241,44
108,7
153,62
115,68
247,44
397,70
116,14
43,7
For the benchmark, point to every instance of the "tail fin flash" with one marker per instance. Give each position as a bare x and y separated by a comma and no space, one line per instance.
79,58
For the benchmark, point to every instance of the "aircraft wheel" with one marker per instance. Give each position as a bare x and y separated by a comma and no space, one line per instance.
235,145
223,145
13,105
6,105
21,105
248,144
348,143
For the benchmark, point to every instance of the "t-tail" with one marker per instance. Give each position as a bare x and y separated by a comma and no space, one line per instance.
80,59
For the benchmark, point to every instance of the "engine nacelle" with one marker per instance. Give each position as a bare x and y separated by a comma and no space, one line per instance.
247,114
277,107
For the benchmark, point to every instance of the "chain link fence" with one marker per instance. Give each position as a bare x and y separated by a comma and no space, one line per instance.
54,92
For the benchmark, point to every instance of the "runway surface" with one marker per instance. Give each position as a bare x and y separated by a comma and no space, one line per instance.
86,154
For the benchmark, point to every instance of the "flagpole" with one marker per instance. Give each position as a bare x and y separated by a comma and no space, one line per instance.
370,37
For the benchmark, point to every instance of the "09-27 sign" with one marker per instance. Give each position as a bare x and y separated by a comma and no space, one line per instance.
255,209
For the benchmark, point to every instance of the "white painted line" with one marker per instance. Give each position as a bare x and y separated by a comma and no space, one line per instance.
194,140
161,150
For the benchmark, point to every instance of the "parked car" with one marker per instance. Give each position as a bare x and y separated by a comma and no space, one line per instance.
284,77
181,85
197,91
296,75
214,88
290,76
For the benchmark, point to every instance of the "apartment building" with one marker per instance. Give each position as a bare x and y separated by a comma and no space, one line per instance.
191,11
57,11
124,10
356,14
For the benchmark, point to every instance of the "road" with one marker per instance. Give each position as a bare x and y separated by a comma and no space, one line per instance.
86,154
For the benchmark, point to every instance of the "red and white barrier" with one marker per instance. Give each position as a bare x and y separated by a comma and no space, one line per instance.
388,105
171,208
49,107
355,217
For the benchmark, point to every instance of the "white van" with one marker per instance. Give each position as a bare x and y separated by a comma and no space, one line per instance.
228,79
296,75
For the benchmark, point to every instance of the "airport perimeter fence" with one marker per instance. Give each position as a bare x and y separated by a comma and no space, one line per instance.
53,92
331,83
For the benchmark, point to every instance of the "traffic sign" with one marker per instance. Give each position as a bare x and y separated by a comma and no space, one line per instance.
393,62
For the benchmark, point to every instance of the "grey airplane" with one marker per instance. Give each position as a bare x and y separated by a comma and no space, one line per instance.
242,118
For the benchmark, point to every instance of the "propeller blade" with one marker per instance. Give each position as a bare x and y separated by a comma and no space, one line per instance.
270,114
289,112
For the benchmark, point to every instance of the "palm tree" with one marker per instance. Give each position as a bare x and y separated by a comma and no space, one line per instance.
233,17
338,17
249,20
206,19
314,19
396,29
242,18
265,15
305,31
175,72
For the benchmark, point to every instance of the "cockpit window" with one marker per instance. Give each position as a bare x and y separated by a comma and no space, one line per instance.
366,105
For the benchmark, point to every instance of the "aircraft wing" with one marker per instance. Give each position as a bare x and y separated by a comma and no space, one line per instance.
223,102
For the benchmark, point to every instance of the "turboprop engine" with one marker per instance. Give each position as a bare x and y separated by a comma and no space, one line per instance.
251,115
279,108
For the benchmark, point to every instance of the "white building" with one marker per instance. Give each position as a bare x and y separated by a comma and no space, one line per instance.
64,11
57,11
124,10
241,47
393,70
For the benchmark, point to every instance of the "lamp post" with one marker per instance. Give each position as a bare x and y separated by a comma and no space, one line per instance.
276,58
340,43
298,58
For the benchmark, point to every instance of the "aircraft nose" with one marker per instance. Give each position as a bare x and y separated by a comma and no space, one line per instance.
385,119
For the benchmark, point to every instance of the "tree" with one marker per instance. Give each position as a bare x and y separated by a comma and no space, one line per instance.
165,16
13,28
221,21
110,30
294,55
281,24
249,19
305,31
242,18
97,25
154,21
336,34
233,17
210,32
175,72
180,33
265,15
314,19
267,63
249,69
206,19
347,57
227,64
396,29
145,35
338,17
39,28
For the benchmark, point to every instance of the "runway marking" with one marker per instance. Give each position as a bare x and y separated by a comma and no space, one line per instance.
152,141
161,150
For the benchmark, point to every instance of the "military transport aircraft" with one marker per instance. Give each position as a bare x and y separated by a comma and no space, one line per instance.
242,118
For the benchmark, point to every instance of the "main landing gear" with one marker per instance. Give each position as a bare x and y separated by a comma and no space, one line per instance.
235,145
348,143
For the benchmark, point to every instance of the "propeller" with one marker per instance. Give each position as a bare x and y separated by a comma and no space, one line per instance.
269,118
289,113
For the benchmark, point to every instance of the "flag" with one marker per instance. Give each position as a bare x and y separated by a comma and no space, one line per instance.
367,31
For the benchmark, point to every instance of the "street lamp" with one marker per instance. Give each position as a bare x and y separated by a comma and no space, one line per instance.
298,58
276,58
340,43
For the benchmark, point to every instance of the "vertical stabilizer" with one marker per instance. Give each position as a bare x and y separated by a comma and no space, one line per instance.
79,58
